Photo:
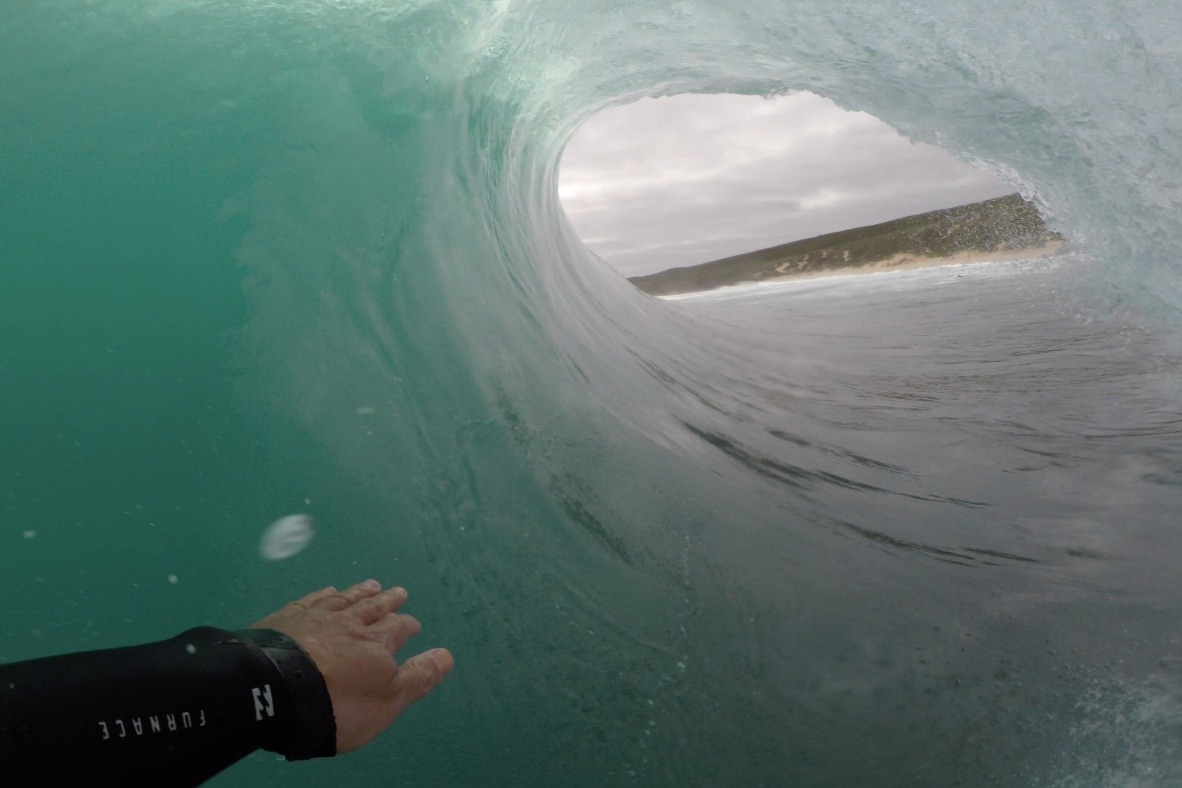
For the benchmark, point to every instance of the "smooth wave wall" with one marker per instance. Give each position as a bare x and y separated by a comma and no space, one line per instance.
268,258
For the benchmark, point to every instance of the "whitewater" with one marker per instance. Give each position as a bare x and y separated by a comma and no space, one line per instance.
306,260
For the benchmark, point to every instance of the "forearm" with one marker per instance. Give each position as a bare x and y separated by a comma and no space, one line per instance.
179,710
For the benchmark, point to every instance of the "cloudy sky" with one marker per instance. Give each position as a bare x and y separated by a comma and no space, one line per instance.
683,180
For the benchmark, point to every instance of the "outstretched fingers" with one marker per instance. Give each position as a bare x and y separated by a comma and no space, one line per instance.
314,597
421,674
395,629
375,608
341,600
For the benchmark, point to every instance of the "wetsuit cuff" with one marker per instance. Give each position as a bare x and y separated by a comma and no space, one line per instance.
311,730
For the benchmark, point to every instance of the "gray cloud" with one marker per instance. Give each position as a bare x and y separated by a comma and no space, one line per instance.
684,180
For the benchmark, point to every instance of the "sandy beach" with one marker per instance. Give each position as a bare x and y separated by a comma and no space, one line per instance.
905,262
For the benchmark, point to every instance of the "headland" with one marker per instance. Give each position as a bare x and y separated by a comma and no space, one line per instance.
1004,228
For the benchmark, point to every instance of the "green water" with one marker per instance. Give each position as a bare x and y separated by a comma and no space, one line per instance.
265,259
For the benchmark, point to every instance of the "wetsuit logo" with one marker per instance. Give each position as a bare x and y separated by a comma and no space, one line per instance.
263,704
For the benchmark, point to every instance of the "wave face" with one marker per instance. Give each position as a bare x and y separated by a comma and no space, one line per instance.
266,259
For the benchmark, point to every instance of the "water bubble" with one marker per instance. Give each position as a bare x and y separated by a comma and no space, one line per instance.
29,534
285,537
173,579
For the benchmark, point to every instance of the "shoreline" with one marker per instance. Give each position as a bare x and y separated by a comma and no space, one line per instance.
1004,228
891,265
904,262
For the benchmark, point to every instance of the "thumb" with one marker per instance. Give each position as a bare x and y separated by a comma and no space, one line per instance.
421,674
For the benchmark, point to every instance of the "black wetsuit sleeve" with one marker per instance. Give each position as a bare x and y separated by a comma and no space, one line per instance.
170,713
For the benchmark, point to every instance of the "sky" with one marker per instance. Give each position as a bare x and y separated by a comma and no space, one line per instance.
670,182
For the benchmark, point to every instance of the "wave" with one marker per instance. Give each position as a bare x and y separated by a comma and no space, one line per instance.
308,258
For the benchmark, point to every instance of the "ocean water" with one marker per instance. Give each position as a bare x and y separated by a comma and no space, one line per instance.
264,260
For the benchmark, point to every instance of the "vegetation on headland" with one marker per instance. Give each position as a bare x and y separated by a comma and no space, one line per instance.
997,226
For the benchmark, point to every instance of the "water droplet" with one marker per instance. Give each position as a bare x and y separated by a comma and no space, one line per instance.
285,537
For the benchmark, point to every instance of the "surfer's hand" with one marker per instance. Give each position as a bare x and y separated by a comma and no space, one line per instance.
352,636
